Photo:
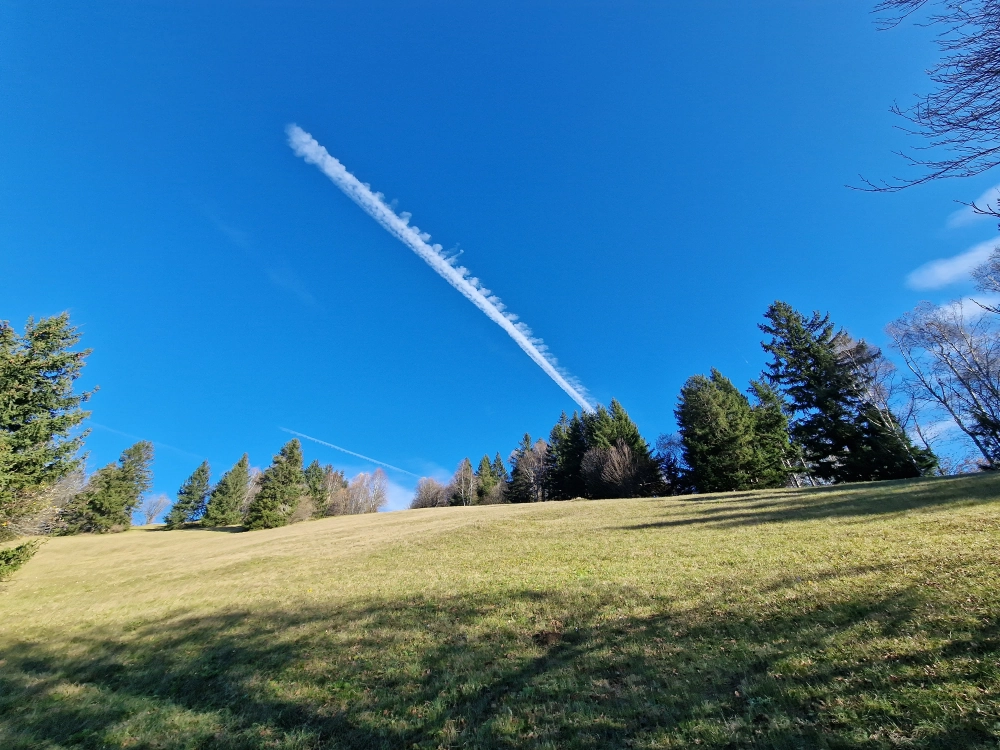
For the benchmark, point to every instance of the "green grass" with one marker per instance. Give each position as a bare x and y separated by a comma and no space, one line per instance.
858,616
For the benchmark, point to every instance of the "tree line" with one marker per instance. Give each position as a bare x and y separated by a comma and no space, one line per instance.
44,489
827,408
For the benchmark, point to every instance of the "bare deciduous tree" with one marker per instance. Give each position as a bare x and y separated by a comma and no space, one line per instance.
49,503
462,489
953,352
960,118
253,489
620,473
430,494
367,493
152,507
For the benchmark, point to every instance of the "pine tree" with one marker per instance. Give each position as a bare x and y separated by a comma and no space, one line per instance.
38,411
112,493
818,370
192,498
281,486
223,507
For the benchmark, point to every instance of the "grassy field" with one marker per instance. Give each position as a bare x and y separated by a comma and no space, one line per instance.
859,616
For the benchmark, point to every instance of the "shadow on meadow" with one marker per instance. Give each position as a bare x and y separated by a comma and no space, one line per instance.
524,669
860,500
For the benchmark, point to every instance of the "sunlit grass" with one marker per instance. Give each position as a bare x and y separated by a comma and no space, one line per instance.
860,616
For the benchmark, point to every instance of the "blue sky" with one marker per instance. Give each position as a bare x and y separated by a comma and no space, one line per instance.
637,181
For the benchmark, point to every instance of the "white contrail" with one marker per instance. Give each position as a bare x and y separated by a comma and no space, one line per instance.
350,453
459,277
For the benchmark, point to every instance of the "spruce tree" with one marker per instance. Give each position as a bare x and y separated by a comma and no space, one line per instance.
716,425
774,453
223,507
192,498
567,446
314,474
38,412
281,486
818,370
486,481
112,493
500,469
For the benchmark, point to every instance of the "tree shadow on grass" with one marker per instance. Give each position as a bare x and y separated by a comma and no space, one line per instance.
858,500
476,671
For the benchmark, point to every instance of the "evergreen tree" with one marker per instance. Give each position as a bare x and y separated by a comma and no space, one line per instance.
567,446
818,370
500,470
223,507
38,411
112,493
192,498
486,481
281,486
612,436
314,474
716,426
774,454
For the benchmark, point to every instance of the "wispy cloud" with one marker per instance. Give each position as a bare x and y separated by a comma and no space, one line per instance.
459,277
137,438
278,272
965,215
945,271
350,453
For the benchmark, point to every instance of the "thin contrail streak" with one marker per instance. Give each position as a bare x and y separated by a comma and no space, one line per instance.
350,453
459,277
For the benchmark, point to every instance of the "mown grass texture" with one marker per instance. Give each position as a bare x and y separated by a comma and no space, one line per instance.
854,616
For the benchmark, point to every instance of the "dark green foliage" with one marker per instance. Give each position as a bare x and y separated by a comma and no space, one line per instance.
774,454
15,557
820,372
675,474
281,487
500,469
38,411
729,444
112,493
192,498
313,475
567,445
716,427
486,481
223,507
619,463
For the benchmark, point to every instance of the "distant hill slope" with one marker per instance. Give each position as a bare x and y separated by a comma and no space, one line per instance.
855,616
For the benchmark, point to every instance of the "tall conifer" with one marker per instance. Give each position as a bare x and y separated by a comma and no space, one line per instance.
191,498
112,493
224,503
281,486
816,367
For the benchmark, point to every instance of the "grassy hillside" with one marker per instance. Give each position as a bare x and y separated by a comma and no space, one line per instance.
859,616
